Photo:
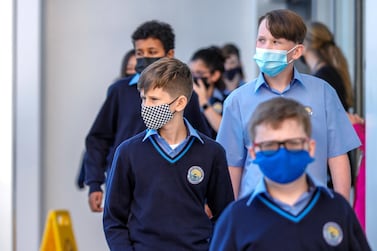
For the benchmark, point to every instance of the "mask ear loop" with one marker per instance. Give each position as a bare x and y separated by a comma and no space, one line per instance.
172,103
290,52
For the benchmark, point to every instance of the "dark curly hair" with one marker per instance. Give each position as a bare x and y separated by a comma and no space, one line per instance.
155,29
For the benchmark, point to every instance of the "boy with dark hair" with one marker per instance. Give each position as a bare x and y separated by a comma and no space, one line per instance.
287,210
160,180
119,117
278,45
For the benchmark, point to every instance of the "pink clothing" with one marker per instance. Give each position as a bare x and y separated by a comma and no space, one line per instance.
359,203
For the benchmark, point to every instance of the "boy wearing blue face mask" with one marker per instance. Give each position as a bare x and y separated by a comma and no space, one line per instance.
287,210
119,117
279,44
160,180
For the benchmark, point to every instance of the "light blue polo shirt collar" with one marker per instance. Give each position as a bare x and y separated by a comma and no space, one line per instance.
261,188
134,79
297,78
191,132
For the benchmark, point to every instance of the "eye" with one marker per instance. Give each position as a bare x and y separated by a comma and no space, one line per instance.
295,144
153,52
269,145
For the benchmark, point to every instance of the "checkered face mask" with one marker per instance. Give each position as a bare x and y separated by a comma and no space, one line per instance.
157,116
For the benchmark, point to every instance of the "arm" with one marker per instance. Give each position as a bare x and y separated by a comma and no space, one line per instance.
235,176
341,174
230,136
213,117
220,192
193,114
118,201
99,142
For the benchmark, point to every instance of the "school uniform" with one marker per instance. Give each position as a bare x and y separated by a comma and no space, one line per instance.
332,129
155,199
118,119
325,221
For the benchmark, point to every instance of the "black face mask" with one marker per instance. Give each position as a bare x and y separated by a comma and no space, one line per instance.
204,81
142,63
230,74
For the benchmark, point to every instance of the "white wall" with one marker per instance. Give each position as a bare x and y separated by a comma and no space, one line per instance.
84,42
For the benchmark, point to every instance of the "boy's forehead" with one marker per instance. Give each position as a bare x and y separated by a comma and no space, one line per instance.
154,92
264,32
149,43
288,128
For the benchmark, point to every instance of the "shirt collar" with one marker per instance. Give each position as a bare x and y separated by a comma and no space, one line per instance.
134,79
297,78
191,132
261,188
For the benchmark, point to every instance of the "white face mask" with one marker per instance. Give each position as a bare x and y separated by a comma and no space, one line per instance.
155,117
272,62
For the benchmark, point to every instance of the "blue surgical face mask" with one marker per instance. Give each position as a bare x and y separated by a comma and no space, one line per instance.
284,166
272,62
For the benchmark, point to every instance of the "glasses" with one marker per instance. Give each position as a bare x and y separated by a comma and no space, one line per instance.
271,147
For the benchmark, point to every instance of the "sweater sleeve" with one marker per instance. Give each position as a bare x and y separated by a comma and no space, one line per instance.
220,191
99,142
119,190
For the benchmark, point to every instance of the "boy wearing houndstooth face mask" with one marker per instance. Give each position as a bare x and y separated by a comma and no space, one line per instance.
159,178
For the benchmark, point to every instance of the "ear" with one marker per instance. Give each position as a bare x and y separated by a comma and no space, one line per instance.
252,152
298,52
170,53
311,147
181,103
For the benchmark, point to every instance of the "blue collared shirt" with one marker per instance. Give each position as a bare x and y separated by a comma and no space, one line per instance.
134,79
166,147
299,205
332,130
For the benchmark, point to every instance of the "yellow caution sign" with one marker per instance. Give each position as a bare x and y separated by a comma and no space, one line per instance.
58,232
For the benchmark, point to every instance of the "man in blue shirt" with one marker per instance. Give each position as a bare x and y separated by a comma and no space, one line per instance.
287,209
160,179
119,117
279,43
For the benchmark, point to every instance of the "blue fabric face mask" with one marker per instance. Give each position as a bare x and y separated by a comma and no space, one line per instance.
272,62
284,166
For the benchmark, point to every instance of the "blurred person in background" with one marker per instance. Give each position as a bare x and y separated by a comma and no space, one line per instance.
207,67
233,75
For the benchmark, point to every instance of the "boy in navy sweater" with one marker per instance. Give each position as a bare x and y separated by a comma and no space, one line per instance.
161,179
287,210
119,117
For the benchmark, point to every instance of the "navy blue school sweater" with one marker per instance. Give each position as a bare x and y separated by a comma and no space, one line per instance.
327,223
119,119
154,202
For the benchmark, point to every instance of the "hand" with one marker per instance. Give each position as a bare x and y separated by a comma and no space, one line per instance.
355,118
201,91
208,211
95,200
